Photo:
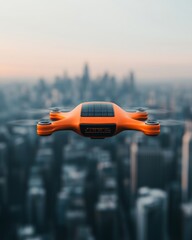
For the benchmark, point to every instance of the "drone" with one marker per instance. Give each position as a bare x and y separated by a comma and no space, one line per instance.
98,120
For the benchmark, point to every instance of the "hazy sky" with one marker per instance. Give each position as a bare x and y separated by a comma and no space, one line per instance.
45,37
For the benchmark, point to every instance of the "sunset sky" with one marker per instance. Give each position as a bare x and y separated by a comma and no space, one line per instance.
44,38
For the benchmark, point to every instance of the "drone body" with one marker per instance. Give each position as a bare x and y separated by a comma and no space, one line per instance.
98,120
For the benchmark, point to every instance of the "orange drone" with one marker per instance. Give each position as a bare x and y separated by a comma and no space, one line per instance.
98,120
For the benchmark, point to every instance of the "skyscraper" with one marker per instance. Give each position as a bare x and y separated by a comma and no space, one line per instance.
85,77
174,211
85,83
3,159
151,215
186,177
132,81
186,210
147,165
107,217
36,200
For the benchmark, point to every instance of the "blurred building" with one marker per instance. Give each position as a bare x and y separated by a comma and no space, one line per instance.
186,176
25,232
150,165
174,211
151,215
107,218
36,206
186,210
85,83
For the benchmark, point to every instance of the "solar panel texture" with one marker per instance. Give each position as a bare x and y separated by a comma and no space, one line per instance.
97,110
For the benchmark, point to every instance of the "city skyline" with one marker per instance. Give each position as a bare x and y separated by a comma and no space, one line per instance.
43,39
64,186
73,77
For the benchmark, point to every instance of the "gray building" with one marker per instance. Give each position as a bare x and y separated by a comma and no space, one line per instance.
151,215
186,177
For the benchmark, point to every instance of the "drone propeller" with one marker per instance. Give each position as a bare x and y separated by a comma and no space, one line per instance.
61,109
167,122
39,111
171,122
27,122
23,122
36,111
148,110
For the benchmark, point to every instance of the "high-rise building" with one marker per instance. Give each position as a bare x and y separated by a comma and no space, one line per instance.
132,81
3,205
20,160
63,203
84,88
174,211
147,165
186,177
85,77
25,232
84,233
3,192
151,215
36,203
186,210
107,218
3,159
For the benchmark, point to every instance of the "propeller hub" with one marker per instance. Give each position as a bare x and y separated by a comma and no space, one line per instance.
44,122
141,109
55,110
152,122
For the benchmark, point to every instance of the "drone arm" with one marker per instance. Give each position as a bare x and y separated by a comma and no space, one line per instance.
142,116
57,115
63,124
132,124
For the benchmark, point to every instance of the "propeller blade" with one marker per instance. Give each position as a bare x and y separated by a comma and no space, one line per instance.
23,122
149,110
167,122
40,111
171,122
136,109
158,111
27,122
61,109
34,111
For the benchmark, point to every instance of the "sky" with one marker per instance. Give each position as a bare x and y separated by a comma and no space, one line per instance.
44,38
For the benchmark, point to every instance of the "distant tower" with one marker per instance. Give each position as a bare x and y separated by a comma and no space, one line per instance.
85,77
132,81
85,80
151,211
186,177
128,90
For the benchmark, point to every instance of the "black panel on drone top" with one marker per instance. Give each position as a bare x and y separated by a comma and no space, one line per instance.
97,110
